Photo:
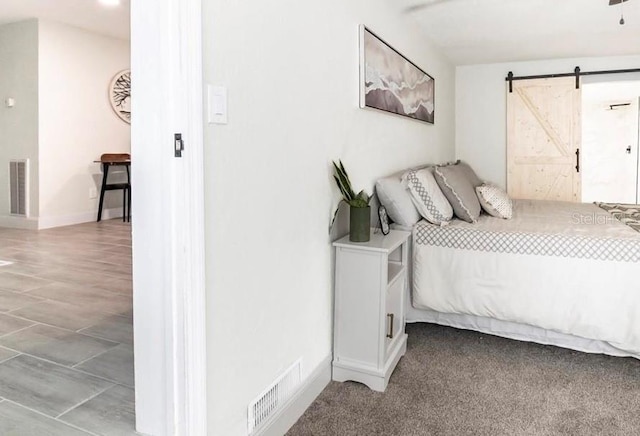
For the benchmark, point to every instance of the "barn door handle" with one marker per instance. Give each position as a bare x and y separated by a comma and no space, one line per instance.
629,150
577,160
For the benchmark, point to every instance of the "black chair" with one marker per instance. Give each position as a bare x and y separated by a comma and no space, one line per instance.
109,160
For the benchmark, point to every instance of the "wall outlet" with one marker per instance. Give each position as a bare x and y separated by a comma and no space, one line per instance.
93,193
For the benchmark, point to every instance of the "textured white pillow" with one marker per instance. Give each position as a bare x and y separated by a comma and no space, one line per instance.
427,196
495,201
393,195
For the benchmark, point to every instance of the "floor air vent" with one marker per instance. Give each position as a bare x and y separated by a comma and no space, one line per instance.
18,176
274,397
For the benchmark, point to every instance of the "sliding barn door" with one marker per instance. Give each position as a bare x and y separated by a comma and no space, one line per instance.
543,139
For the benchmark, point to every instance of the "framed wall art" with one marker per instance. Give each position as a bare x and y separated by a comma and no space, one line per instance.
120,95
392,83
384,220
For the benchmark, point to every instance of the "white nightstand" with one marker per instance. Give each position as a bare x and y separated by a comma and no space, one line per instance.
368,327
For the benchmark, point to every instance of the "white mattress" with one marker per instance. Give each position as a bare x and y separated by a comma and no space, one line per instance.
558,273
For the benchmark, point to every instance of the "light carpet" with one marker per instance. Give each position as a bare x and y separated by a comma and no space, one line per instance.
458,382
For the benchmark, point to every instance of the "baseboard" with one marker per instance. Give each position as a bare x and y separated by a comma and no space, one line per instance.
69,220
283,419
18,222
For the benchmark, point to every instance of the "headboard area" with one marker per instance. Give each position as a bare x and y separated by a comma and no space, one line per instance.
394,196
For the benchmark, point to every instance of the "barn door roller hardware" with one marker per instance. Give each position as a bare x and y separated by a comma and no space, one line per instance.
615,106
576,72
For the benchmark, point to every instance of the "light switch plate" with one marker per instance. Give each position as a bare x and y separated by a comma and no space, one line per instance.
217,104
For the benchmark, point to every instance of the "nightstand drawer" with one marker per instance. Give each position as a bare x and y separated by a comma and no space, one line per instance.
394,312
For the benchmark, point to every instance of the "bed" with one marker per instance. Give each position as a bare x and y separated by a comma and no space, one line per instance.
558,273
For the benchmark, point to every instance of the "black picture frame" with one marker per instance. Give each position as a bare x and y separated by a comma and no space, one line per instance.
120,95
392,83
384,220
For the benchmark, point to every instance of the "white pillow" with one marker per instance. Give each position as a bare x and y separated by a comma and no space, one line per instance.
495,201
427,196
393,195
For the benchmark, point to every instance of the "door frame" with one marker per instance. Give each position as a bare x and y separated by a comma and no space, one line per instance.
168,221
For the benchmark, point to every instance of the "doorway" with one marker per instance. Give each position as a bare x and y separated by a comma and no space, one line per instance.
67,336
168,229
610,134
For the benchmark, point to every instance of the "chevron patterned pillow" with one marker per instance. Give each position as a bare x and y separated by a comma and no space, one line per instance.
495,201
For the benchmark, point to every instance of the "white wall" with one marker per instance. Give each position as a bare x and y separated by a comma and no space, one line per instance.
77,123
609,173
291,69
19,125
481,105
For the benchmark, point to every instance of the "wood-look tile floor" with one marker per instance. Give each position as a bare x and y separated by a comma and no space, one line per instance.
66,331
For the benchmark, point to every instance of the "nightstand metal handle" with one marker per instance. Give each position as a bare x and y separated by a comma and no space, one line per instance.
390,316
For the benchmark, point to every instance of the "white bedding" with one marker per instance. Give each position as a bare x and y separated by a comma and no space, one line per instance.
563,267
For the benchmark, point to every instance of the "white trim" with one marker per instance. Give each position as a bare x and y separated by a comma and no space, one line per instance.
86,217
362,67
151,100
168,232
192,406
18,222
195,300
151,270
284,418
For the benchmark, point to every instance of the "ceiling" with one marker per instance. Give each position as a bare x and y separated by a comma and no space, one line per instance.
467,31
488,31
86,14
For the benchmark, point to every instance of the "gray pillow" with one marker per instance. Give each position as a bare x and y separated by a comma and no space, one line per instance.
470,174
455,185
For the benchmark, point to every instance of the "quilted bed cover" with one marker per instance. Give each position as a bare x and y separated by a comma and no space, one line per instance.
571,268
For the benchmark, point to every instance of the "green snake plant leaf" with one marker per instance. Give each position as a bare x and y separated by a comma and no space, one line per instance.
363,196
343,169
344,184
335,215
345,194
342,179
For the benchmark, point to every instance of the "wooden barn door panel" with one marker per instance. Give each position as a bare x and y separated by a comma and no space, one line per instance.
543,134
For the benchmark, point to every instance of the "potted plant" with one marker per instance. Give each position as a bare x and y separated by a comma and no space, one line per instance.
359,209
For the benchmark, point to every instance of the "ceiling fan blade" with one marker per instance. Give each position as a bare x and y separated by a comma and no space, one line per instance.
427,4
616,2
